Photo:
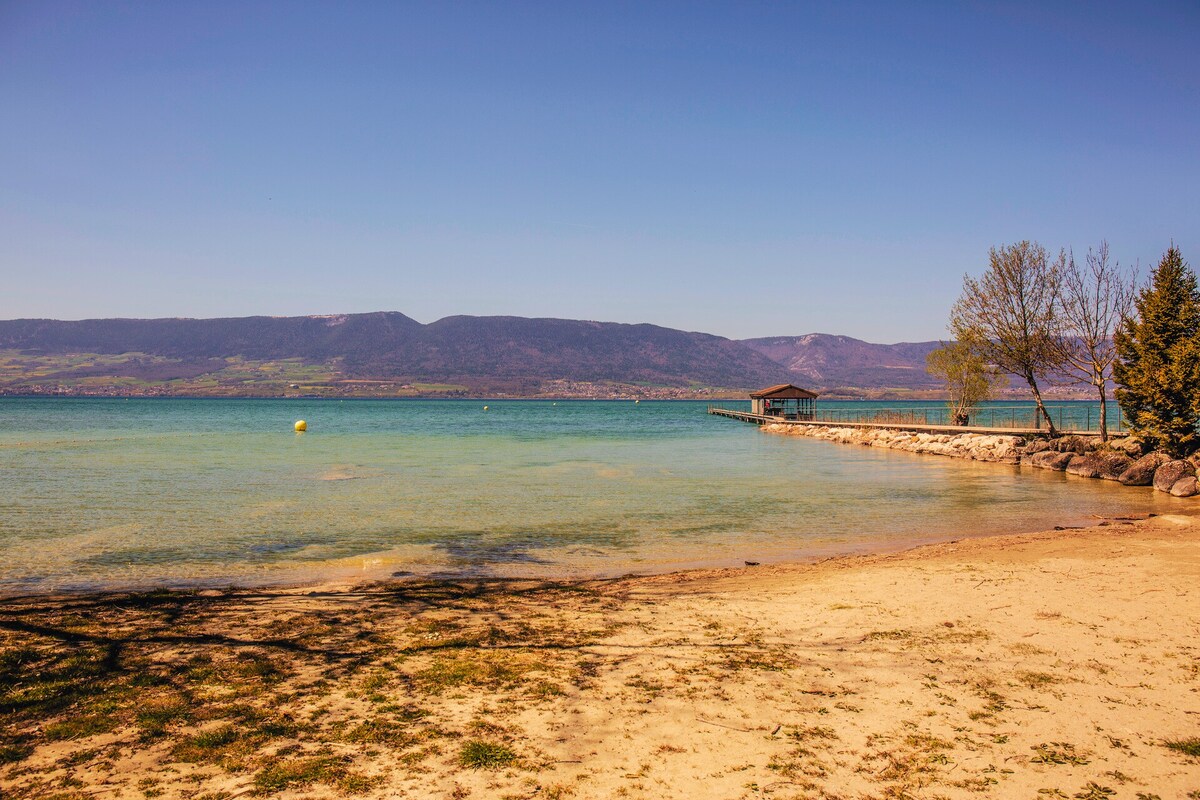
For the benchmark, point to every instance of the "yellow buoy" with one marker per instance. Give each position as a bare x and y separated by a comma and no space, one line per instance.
485,408
301,426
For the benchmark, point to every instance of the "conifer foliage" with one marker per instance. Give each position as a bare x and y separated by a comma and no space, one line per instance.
1158,359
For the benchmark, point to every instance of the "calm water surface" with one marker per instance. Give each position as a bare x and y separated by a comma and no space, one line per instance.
107,493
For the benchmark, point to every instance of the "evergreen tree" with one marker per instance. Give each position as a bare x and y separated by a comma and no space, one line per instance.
1158,359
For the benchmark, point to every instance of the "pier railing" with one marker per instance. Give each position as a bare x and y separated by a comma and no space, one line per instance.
1072,418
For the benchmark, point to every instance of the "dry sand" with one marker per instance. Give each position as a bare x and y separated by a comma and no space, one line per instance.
1034,666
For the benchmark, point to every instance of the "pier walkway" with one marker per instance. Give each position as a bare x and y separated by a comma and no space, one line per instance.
763,419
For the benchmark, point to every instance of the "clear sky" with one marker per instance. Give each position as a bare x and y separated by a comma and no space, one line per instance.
746,169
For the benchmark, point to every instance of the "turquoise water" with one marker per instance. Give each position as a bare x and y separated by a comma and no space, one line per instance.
116,492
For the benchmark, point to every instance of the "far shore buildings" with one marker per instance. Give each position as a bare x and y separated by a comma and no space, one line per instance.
784,401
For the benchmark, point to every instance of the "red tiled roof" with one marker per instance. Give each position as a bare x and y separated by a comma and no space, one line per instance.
784,390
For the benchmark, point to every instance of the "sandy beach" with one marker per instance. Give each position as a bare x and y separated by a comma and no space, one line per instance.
1060,664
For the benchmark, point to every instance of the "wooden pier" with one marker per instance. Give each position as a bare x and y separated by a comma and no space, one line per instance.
766,419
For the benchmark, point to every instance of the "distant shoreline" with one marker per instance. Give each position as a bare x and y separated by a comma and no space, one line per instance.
714,397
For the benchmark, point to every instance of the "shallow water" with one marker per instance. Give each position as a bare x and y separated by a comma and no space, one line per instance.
113,492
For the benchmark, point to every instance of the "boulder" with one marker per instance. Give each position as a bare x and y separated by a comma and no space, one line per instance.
1167,475
1075,444
1004,449
1100,464
1141,472
1186,487
1036,446
1085,466
1129,445
1113,465
1049,459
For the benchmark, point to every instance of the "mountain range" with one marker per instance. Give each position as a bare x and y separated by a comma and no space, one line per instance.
827,361
385,351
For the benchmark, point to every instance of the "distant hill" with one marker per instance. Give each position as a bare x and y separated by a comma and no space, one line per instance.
387,352
316,337
477,354
823,360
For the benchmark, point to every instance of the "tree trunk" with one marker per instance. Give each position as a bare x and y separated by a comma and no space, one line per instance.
1037,397
1103,419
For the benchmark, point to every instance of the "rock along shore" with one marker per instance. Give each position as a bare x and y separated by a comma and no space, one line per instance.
1122,460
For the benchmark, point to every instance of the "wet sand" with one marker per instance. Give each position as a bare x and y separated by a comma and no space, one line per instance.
1060,664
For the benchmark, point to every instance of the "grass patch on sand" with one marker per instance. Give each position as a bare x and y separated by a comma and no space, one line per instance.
381,730
809,732
79,727
157,715
1037,680
12,753
211,745
1189,746
288,773
892,635
1058,753
478,754
476,668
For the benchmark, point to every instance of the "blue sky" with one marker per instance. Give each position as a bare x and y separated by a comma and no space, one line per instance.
746,169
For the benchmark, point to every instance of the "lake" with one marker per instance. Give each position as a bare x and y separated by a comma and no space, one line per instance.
108,493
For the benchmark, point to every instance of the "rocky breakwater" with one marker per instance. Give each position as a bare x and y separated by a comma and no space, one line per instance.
973,446
1122,460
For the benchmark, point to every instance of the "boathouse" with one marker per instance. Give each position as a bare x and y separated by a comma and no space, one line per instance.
784,401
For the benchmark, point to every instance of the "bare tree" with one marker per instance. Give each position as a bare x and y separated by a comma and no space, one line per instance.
1011,314
1095,298
969,379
